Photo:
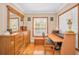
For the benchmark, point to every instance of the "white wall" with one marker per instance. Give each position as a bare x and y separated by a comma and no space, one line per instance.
3,18
51,24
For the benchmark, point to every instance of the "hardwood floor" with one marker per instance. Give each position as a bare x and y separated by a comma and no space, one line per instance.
32,49
29,49
37,50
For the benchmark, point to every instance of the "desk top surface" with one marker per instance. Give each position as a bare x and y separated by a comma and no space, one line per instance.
55,38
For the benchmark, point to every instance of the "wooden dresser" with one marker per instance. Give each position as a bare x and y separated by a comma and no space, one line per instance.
14,44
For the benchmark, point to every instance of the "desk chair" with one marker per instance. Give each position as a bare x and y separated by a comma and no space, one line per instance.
54,46
47,46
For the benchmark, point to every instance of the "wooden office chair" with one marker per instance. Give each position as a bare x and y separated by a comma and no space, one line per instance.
47,47
42,42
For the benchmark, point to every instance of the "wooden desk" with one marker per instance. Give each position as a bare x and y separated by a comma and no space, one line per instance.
68,46
55,38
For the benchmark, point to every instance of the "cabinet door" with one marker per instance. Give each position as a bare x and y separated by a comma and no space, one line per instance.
6,45
25,39
10,46
3,45
19,43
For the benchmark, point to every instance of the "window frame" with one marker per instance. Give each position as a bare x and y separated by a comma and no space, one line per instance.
33,26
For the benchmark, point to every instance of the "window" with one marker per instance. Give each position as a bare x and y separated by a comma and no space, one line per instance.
39,26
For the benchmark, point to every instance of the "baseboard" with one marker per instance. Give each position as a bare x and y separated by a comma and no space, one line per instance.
77,49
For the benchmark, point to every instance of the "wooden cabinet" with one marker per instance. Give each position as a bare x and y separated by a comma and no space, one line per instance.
18,43
10,45
14,43
26,38
6,44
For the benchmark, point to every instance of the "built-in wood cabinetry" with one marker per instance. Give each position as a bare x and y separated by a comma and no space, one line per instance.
14,43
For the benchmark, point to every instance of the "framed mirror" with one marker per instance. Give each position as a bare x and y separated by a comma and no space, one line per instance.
15,19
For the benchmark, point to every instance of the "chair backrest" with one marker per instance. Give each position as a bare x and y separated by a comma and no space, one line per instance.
43,34
39,41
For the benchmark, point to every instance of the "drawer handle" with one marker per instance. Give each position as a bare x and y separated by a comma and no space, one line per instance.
12,42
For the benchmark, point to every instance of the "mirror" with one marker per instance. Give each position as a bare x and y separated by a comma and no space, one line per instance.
15,20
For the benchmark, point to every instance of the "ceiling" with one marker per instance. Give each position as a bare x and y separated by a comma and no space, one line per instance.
40,7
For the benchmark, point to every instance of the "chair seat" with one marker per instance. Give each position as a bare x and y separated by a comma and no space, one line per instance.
48,49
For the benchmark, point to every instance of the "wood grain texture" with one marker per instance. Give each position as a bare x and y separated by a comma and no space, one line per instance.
31,48
68,45
14,44
55,38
